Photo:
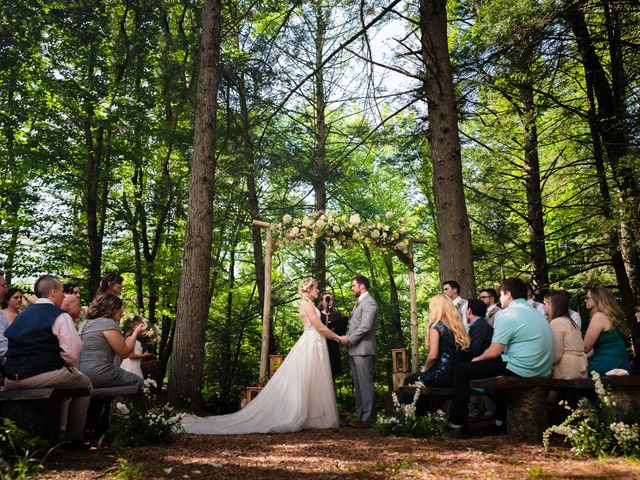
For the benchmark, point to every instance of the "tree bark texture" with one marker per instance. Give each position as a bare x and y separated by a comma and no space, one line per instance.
454,234
539,266
320,189
193,300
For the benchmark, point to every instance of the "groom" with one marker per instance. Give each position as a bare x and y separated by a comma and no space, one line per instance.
361,341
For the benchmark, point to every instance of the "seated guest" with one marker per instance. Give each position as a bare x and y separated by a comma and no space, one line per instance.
4,323
569,360
604,335
490,298
447,341
12,304
451,289
72,289
522,345
43,349
110,283
133,362
480,333
102,339
71,305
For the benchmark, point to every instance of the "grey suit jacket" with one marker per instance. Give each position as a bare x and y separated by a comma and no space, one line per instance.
362,327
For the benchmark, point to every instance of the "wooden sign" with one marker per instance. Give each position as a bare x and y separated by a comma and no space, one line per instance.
274,363
399,360
252,392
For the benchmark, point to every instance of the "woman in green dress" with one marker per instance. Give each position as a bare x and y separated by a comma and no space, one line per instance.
606,332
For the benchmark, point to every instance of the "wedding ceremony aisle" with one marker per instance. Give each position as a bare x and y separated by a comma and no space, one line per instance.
344,453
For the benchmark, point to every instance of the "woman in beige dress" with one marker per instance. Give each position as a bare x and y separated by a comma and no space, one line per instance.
569,359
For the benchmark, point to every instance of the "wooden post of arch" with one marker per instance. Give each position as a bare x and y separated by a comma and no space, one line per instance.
266,308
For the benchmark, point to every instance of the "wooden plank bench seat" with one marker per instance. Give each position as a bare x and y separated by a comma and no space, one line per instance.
526,397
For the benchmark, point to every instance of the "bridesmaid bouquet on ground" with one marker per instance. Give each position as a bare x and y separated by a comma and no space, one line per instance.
405,423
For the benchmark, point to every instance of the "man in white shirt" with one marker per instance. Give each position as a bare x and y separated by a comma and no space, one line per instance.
451,289
44,347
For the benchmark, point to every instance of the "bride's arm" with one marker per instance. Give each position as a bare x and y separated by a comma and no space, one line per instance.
310,312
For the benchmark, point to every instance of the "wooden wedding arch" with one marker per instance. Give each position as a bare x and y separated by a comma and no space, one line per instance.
340,230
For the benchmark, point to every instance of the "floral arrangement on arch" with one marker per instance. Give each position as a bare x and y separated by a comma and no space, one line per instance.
337,229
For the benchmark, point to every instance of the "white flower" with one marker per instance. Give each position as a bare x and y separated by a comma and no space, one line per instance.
357,236
122,409
332,214
354,219
294,232
149,382
306,222
403,220
375,233
335,229
320,224
389,215
286,219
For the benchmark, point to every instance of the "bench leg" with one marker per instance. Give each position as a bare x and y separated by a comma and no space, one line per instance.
38,417
526,412
626,404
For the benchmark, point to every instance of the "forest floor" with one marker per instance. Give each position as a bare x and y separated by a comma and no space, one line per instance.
343,453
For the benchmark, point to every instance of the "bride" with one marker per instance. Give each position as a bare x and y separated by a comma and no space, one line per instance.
300,394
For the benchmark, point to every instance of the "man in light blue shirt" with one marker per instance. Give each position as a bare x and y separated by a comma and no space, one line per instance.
522,345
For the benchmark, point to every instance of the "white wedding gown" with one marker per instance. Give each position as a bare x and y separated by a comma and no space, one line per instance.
299,396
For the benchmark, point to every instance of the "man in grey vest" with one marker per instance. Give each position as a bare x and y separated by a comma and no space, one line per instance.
361,342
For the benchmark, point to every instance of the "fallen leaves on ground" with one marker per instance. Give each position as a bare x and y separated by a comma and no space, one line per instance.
343,453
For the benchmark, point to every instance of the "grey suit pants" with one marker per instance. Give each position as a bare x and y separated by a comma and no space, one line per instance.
362,371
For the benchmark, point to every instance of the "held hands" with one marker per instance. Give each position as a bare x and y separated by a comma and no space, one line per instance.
343,340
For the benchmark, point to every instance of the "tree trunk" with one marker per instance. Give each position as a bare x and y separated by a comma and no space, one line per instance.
617,261
539,267
611,117
320,260
452,227
185,379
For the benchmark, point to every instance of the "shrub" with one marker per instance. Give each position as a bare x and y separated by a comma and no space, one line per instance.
21,455
593,432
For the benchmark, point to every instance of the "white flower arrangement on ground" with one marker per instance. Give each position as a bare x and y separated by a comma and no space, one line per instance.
589,432
405,422
343,229
144,421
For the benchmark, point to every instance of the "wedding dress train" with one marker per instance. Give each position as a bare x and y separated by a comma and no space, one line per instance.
299,396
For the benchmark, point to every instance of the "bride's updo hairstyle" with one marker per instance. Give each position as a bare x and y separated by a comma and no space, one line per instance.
305,286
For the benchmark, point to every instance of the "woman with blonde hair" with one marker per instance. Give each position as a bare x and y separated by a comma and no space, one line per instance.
299,395
603,339
569,360
448,343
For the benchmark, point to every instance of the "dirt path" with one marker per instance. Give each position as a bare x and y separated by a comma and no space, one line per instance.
346,453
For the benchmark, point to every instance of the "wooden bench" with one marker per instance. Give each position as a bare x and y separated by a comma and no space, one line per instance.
103,402
37,410
526,401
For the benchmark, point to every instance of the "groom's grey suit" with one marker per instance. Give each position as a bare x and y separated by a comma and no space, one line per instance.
362,351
